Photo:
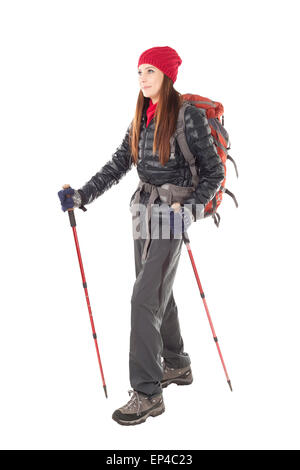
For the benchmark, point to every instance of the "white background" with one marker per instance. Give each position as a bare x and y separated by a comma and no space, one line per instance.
68,92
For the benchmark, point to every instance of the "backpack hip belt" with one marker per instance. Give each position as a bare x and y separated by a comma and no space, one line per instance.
168,193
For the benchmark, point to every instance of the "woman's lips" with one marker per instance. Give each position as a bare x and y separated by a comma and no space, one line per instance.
145,87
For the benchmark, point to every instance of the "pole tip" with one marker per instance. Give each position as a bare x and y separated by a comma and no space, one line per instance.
105,391
229,383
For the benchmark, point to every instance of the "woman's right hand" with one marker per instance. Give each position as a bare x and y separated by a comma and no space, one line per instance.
69,198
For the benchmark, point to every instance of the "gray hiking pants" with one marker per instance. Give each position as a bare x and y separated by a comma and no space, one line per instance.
155,331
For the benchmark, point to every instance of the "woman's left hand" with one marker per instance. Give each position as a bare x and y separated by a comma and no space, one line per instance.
176,206
182,219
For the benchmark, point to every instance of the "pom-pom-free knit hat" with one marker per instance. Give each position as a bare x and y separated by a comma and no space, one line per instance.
165,59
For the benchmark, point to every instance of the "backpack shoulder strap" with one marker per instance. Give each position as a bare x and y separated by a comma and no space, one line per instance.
181,139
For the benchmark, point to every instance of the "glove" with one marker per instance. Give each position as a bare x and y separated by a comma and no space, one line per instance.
180,221
69,198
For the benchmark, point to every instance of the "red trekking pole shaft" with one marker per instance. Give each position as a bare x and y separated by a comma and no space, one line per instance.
73,225
187,244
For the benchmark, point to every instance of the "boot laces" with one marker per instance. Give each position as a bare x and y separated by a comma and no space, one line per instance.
134,402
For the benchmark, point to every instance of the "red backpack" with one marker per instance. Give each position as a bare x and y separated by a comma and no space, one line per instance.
214,112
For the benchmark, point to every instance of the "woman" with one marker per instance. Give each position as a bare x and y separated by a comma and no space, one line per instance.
163,199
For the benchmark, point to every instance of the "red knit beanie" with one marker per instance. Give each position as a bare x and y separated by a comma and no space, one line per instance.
165,59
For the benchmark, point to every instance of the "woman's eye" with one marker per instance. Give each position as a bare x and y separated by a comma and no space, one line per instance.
150,70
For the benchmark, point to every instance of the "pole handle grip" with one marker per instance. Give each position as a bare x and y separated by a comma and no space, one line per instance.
72,218
185,238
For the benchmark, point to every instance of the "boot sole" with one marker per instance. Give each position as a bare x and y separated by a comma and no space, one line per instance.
152,413
176,381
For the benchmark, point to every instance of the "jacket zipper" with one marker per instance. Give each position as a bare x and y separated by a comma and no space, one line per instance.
144,143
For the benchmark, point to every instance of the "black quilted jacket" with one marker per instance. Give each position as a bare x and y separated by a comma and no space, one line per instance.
175,171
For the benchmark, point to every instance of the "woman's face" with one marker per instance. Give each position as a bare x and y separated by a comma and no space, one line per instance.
150,80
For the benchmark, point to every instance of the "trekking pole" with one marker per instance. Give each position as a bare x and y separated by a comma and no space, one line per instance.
187,244
73,225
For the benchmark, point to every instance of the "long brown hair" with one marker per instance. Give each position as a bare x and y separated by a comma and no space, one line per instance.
166,114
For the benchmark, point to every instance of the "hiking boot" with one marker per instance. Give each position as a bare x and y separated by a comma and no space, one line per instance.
139,408
182,376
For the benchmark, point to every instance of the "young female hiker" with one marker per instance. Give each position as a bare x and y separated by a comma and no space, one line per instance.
156,356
